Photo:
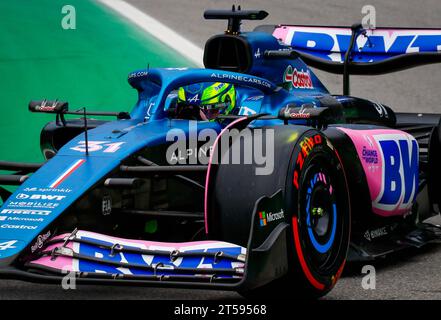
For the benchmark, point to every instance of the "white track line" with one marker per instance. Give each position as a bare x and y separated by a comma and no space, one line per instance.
157,30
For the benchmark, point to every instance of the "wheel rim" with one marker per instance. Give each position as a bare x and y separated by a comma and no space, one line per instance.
319,225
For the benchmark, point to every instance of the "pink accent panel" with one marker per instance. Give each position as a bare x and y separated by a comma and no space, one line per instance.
207,179
60,263
366,143
141,243
281,33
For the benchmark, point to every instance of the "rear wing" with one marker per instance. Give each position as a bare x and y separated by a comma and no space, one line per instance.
354,50
375,51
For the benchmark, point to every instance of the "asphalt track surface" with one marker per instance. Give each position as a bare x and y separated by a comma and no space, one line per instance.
414,274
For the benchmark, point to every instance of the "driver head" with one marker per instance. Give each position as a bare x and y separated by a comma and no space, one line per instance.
206,101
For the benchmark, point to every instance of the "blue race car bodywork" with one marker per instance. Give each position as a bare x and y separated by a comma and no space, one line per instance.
215,225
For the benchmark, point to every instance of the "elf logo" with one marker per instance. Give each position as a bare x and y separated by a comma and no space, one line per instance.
399,181
22,196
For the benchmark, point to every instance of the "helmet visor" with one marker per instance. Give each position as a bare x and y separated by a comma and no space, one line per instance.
212,111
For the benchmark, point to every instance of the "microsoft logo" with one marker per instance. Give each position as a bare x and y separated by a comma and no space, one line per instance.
262,216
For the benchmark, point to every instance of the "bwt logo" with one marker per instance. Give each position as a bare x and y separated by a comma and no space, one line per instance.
379,42
23,196
400,171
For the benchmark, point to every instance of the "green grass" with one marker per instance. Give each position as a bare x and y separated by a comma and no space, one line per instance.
87,66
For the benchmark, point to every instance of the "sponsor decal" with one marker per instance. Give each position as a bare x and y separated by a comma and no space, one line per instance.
183,155
184,262
17,219
262,218
43,108
37,205
61,178
47,190
138,74
390,159
301,114
24,196
331,44
41,239
26,212
400,171
275,216
18,227
299,79
306,145
370,156
377,233
266,218
242,78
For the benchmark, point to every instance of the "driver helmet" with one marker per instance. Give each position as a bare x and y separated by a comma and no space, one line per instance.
207,100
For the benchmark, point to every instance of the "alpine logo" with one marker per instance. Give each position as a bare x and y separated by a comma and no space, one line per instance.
299,79
195,99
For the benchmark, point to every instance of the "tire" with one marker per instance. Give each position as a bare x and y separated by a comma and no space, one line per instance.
321,215
317,255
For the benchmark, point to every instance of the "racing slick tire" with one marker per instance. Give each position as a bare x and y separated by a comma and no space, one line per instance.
319,202
310,174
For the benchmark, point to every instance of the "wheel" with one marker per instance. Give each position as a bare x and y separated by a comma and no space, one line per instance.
315,201
320,219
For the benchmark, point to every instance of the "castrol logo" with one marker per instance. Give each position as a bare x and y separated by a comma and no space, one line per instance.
298,78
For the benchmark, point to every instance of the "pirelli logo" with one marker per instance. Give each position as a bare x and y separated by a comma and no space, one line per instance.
26,212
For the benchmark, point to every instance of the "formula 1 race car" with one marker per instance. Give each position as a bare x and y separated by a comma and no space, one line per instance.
275,194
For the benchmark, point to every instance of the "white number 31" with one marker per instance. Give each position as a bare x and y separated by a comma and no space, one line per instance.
98,145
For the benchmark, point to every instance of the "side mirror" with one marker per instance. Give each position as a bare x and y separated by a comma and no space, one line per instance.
322,116
48,106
